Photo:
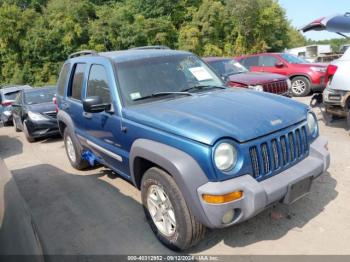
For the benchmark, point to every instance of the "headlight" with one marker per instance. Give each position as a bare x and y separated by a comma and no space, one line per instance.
318,69
225,156
7,113
289,83
312,124
257,88
36,116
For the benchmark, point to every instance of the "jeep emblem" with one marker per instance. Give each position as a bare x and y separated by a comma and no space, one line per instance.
276,122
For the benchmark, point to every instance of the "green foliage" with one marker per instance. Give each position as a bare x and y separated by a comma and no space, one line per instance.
36,36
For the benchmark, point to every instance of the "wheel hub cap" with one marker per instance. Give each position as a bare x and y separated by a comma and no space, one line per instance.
298,87
70,149
161,210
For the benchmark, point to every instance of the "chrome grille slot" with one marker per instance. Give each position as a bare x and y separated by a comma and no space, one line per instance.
265,158
255,161
276,159
269,157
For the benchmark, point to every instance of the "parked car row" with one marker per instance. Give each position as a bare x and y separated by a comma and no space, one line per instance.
203,143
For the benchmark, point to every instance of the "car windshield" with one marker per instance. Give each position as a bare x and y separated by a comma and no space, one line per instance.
292,59
39,96
227,67
164,77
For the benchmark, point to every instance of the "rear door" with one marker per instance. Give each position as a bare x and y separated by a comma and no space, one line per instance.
73,106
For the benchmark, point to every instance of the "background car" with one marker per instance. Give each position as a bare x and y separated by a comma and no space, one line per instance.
336,97
237,75
7,96
305,76
34,113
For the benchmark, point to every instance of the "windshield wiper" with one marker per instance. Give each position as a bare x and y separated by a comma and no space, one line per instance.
202,87
162,94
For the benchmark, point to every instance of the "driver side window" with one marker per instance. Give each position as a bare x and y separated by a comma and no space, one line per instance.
98,84
268,60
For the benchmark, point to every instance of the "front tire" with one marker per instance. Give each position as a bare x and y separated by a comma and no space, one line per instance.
74,151
167,212
29,138
301,86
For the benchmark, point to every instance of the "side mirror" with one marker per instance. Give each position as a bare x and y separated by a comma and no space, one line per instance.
94,104
279,64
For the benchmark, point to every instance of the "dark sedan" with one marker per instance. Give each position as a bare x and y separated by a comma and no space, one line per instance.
34,113
237,75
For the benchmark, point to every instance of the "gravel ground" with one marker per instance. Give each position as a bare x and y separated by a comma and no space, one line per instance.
96,212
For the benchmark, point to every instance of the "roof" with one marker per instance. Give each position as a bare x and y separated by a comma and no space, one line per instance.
216,58
134,54
14,88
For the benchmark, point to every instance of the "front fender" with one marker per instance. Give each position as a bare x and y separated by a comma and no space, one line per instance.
182,167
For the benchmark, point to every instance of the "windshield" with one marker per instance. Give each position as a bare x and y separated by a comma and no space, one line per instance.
227,67
171,74
39,96
292,59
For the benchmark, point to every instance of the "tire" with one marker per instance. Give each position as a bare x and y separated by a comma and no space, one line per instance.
29,138
73,151
187,230
15,125
301,86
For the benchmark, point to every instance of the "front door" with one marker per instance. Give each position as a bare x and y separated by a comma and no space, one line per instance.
103,130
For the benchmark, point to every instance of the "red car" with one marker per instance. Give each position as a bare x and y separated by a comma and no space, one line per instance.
237,75
305,76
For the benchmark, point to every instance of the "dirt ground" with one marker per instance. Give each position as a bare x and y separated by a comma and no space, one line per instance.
96,212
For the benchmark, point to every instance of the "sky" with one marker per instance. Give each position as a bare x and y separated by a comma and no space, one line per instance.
302,12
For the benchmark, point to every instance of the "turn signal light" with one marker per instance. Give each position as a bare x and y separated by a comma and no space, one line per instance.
220,199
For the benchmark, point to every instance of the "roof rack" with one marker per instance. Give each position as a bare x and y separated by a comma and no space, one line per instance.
82,53
150,47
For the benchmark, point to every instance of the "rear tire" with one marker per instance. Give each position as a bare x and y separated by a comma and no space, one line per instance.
184,230
74,151
301,86
29,138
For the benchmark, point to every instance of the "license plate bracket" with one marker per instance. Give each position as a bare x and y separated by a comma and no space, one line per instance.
298,190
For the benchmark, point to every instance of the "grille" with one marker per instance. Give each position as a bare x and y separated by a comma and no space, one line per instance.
279,87
269,157
52,114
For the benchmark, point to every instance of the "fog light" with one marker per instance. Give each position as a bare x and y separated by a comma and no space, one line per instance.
228,217
220,199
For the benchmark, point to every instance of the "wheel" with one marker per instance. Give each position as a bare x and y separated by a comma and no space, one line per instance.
301,86
15,125
167,213
29,138
74,151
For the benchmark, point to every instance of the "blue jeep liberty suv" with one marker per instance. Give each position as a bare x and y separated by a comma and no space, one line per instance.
203,155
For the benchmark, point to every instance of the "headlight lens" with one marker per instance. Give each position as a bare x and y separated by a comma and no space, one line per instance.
225,156
257,88
318,69
312,124
36,116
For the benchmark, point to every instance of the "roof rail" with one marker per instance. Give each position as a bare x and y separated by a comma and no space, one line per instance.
82,53
150,47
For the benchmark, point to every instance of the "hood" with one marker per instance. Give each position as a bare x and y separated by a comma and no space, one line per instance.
310,65
237,113
42,108
251,78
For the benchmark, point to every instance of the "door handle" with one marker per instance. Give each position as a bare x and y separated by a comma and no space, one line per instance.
87,115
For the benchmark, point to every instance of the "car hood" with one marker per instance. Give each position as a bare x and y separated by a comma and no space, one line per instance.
251,78
42,108
237,113
310,65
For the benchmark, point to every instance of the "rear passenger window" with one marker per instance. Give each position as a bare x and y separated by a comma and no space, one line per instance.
250,61
62,79
77,84
98,84
268,60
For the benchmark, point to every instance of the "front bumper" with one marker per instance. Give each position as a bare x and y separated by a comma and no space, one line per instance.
38,129
6,117
259,195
